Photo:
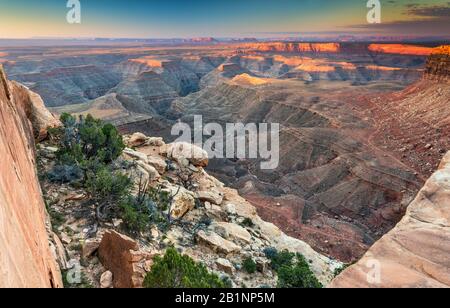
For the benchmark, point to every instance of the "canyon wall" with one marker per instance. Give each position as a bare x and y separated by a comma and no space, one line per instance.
438,64
348,48
416,253
25,256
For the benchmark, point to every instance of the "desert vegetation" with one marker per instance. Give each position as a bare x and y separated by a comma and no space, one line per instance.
88,156
292,268
178,271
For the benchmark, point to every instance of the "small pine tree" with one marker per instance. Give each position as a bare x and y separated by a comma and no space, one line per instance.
293,270
298,275
107,186
249,265
179,271
89,139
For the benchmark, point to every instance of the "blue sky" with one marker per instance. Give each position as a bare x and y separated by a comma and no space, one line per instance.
192,18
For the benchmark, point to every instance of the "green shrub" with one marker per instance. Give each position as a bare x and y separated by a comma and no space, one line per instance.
178,271
106,185
65,174
247,222
135,218
280,259
227,283
148,208
298,275
161,198
339,270
293,270
270,252
88,139
57,219
249,265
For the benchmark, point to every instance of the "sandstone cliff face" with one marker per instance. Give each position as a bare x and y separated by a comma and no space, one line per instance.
438,65
297,47
25,257
416,253
352,48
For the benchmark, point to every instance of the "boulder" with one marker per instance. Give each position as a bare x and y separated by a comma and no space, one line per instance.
153,174
184,152
212,196
225,266
90,247
158,163
183,201
232,232
262,265
216,243
156,142
106,280
230,209
136,140
49,152
135,155
216,212
39,116
65,238
120,255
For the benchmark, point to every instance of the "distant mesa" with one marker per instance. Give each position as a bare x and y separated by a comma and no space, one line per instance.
296,47
442,50
438,64
247,80
288,47
291,61
151,62
401,49
229,67
207,40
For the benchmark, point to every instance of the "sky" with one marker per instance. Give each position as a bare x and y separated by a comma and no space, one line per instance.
226,18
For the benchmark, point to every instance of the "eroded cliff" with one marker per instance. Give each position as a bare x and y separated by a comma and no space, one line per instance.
438,64
416,253
25,256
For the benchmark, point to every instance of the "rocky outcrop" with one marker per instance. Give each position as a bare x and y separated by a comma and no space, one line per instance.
35,110
438,65
199,216
185,153
400,49
25,256
353,48
121,255
297,47
416,253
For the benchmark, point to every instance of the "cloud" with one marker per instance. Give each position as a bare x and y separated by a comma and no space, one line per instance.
422,20
433,27
435,11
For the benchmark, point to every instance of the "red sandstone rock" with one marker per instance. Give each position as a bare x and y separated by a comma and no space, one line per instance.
120,255
25,256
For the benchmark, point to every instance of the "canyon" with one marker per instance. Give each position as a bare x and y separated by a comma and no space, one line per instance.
363,127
